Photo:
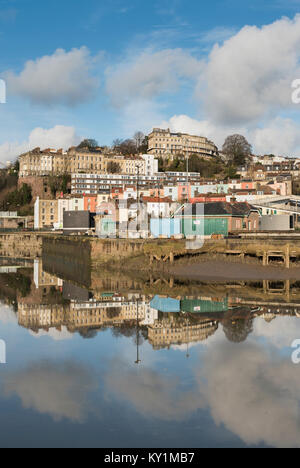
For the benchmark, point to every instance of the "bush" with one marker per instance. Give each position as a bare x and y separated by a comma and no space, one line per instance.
18,198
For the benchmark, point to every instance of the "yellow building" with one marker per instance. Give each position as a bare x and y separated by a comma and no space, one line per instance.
52,162
45,213
166,144
41,317
42,163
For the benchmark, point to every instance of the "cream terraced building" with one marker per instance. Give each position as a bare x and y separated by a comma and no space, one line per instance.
41,163
165,144
56,162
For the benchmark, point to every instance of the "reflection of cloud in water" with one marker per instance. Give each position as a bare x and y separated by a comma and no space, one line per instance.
7,315
281,332
56,335
151,393
254,394
60,390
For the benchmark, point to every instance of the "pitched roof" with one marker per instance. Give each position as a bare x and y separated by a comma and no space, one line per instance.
221,208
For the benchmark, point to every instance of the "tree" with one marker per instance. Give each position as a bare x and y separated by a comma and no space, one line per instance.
128,147
116,144
59,183
113,312
18,198
237,331
139,138
113,168
144,146
90,144
237,149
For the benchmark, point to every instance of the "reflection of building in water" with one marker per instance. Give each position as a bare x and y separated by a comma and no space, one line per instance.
166,321
110,310
42,278
38,316
171,331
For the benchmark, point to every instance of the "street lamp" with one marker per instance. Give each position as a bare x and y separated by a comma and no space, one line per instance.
138,360
186,142
138,167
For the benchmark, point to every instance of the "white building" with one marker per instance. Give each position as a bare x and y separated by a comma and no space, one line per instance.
160,207
68,204
151,164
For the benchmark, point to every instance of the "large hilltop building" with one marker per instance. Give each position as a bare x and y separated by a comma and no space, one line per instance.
166,144
39,163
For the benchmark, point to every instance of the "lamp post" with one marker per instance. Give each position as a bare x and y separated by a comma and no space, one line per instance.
138,167
187,167
187,341
138,360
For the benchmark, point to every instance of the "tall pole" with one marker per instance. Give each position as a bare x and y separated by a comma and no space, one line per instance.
187,341
138,361
137,183
137,196
187,169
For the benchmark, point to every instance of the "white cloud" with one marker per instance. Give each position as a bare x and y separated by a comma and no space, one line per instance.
280,136
56,137
61,78
185,124
250,75
149,74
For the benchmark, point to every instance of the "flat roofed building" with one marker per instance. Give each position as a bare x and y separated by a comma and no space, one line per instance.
95,183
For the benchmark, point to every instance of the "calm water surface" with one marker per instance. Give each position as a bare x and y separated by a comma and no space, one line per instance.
140,367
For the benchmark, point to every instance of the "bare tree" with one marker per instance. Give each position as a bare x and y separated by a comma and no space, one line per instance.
116,144
139,138
237,149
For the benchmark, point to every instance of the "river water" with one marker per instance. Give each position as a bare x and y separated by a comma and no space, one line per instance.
154,364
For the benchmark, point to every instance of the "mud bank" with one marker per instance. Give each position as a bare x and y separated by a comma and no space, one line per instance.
217,270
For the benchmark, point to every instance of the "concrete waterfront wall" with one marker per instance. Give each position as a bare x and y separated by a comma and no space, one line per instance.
73,256
69,258
114,250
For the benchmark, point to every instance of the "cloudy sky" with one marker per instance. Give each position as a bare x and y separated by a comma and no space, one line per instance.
105,69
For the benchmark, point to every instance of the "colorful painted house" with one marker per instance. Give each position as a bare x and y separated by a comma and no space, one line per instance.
218,218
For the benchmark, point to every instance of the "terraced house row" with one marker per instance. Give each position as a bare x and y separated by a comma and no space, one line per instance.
39,163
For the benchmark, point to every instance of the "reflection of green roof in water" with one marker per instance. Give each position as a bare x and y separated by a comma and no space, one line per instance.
168,305
203,306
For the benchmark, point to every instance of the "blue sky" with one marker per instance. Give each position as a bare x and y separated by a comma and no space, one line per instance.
105,69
